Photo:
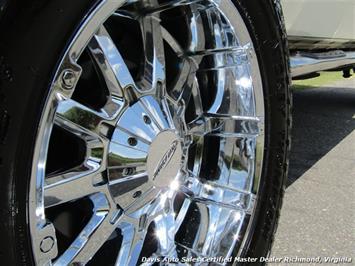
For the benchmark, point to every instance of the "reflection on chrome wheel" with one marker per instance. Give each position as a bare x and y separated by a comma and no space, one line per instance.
152,137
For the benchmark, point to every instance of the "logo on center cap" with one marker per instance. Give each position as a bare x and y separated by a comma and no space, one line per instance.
166,158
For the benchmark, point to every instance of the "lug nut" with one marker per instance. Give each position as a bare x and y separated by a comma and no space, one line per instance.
68,78
47,244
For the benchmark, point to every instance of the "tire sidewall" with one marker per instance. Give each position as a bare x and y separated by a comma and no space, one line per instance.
265,24
35,35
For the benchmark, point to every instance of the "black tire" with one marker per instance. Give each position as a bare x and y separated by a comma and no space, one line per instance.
266,25
34,34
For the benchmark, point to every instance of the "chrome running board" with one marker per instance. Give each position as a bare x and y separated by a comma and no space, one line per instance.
307,63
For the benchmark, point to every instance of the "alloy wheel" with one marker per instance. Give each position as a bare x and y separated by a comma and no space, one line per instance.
151,141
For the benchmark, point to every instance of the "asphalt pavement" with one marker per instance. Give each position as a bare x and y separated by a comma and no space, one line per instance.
318,214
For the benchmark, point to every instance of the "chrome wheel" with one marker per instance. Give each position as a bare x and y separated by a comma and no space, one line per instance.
151,141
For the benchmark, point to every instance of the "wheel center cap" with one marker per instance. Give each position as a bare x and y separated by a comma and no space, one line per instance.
164,158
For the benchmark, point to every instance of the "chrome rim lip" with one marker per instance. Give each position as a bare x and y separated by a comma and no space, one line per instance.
80,41
36,198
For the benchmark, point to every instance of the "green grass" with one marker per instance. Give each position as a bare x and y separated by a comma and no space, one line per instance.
325,78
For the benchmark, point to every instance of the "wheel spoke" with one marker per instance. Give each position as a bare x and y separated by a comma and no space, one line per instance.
186,81
92,237
165,224
154,65
72,185
165,233
220,125
237,164
132,243
217,232
111,63
234,85
78,118
197,99
214,194
182,213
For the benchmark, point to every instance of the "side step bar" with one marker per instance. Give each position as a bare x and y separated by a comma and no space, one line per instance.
306,63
